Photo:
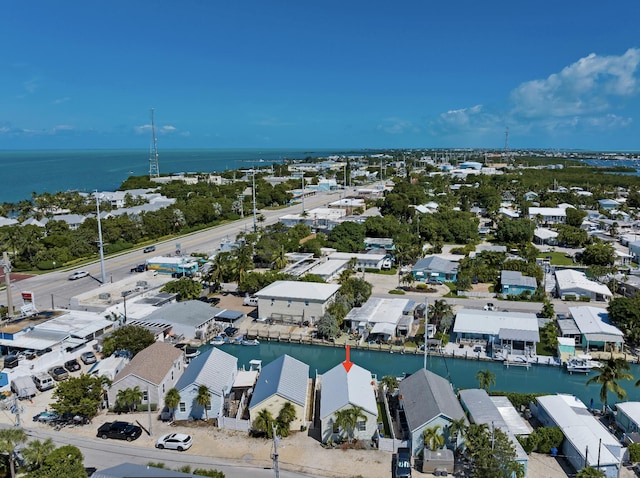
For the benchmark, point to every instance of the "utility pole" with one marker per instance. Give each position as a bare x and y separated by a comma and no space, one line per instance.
149,410
100,244
302,194
426,323
274,455
255,223
6,263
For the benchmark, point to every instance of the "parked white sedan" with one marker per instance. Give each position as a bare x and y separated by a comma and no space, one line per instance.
175,441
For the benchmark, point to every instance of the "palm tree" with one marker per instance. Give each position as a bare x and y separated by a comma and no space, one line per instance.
343,420
612,371
485,379
263,423
279,258
590,472
286,415
457,430
433,438
36,451
390,381
204,399
10,438
130,397
172,399
348,419
441,314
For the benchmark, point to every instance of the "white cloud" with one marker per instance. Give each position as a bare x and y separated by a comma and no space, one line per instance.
168,129
59,101
146,129
62,127
396,126
590,85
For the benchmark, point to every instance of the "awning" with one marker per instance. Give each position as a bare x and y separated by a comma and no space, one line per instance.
519,334
603,338
384,328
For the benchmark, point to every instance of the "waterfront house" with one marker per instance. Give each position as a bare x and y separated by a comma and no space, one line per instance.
427,400
381,318
434,268
382,244
586,440
544,236
595,329
497,412
512,332
573,283
286,379
295,302
191,319
216,370
154,370
345,387
514,283
608,204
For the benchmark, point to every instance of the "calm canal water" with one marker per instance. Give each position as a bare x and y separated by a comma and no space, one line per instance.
462,373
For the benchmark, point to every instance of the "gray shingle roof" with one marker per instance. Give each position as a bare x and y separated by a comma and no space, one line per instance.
437,264
517,279
425,396
285,376
214,368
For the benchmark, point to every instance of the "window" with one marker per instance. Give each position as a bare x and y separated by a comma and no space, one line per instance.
145,396
362,426
163,388
183,407
208,407
289,303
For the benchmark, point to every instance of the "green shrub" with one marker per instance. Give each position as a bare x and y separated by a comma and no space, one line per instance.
584,298
634,452
396,292
422,286
542,440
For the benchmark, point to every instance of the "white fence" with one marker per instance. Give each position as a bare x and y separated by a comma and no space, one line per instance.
229,423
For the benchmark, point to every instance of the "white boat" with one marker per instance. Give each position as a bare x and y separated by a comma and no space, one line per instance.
582,364
250,342
218,340
191,352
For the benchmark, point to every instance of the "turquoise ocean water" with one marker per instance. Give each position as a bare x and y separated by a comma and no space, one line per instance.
24,172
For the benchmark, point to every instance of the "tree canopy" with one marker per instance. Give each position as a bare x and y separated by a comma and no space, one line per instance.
128,337
81,395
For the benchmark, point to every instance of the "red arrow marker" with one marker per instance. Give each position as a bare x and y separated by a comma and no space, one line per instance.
348,363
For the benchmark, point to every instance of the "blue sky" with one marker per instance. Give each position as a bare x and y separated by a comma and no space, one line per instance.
329,74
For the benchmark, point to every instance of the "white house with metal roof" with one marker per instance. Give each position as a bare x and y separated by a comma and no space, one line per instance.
216,370
362,261
155,370
628,418
548,215
587,442
427,400
286,379
595,328
498,412
570,282
191,319
295,302
382,318
514,332
346,386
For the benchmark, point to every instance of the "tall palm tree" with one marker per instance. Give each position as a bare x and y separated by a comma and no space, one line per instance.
441,314
279,258
485,379
433,438
612,371
10,438
457,430
130,397
36,451
204,399
348,419
263,423
172,399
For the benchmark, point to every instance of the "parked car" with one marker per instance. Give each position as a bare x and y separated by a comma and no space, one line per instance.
72,365
43,381
88,357
139,268
119,430
489,306
148,249
59,373
71,419
78,275
46,417
175,441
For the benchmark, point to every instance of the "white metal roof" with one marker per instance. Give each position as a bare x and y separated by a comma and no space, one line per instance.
284,289
487,322
329,267
593,320
581,428
544,234
630,409
378,309
570,279
341,388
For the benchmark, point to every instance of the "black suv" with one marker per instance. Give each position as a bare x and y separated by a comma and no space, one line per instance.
119,430
72,365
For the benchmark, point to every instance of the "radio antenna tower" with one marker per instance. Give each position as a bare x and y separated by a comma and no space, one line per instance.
507,153
154,170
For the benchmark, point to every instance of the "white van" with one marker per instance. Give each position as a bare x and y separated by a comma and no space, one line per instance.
43,381
250,301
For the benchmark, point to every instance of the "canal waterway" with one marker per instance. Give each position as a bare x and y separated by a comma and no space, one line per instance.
461,372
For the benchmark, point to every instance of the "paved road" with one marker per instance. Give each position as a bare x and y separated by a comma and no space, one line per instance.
54,290
106,453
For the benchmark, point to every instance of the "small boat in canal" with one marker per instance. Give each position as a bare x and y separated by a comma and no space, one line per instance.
582,364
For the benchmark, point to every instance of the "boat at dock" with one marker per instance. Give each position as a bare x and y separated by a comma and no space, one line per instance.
582,364
250,342
218,340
